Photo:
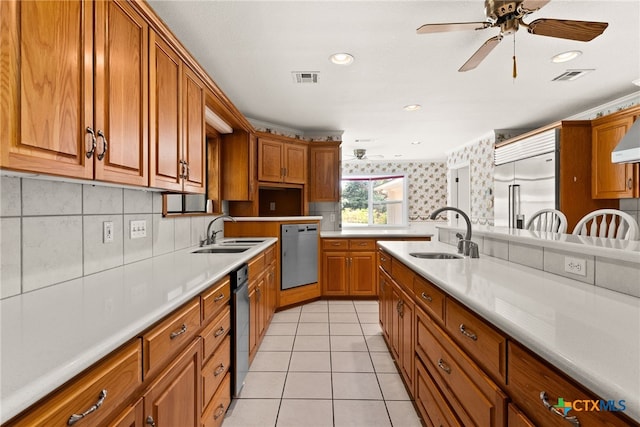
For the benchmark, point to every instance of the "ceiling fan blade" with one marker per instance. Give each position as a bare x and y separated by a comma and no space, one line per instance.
533,5
460,26
583,31
481,53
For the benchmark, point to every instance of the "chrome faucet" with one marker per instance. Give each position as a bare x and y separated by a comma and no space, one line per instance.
211,237
465,246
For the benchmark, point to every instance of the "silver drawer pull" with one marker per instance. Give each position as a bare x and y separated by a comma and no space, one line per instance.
444,366
218,298
382,259
219,332
219,370
545,401
466,333
150,421
219,412
74,418
179,332
426,297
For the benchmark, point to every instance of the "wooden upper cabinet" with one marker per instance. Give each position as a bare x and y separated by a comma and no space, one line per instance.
54,99
177,129
238,160
280,161
609,180
324,172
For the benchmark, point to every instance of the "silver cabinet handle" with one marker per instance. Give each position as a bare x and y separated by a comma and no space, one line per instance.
401,308
150,421
219,297
444,366
466,333
105,145
74,418
219,332
179,332
545,401
382,259
219,370
630,183
187,170
219,412
426,297
93,142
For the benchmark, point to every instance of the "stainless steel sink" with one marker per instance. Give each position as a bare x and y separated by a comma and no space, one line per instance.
220,250
435,255
241,242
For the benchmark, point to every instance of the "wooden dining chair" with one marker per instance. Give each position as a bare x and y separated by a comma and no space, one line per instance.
551,220
609,223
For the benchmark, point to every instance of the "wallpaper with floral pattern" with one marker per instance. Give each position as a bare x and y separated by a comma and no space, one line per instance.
479,157
427,182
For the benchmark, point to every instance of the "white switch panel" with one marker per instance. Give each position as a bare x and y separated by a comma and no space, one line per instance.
107,232
332,217
575,265
272,206
137,229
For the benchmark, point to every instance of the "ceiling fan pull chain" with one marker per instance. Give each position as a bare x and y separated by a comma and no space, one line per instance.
515,68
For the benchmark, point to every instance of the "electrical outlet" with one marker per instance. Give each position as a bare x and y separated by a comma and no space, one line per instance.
137,229
332,217
576,266
107,232
272,206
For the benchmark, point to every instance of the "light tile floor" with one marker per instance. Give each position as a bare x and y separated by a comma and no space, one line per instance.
324,364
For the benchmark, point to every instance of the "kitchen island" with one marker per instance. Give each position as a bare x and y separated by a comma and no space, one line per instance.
589,333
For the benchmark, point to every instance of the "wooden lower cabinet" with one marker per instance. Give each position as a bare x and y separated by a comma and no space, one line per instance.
515,418
174,397
262,297
348,267
132,416
432,405
385,296
214,413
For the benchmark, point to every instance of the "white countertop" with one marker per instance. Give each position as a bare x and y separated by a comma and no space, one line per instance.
277,218
51,335
590,333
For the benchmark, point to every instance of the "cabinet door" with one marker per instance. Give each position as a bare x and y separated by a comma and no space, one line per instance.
386,304
334,273
295,163
165,81
253,314
270,166
194,141
609,180
174,398
46,49
121,91
261,301
362,270
132,416
406,342
324,174
395,330
239,166
272,291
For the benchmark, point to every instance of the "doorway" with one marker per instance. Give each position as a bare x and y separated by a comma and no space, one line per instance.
460,190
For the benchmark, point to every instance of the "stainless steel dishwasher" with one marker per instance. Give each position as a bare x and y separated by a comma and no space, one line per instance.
299,255
239,327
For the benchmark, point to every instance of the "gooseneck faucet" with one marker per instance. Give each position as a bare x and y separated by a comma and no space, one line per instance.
465,246
211,237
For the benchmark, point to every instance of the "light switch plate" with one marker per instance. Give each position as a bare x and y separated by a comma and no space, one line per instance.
107,232
575,266
137,229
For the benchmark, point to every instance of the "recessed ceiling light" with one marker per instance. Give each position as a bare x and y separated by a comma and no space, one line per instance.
566,56
636,82
416,143
397,155
412,107
341,58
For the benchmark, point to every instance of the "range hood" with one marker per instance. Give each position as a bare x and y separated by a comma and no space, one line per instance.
628,149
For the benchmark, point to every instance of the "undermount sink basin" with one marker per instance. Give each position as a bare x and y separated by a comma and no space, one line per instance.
220,250
435,255
241,242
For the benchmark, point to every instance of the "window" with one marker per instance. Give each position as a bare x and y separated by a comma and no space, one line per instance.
374,201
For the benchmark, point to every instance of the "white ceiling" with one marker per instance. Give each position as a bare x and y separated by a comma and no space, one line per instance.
250,49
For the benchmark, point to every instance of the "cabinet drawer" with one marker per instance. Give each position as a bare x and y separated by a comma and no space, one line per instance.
430,297
475,398
215,299
515,418
214,333
256,266
215,369
362,244
117,376
432,405
482,342
529,377
335,244
171,335
384,261
402,275
214,413
270,255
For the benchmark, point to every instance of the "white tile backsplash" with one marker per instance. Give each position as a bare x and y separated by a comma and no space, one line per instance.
10,196
163,235
51,250
10,259
41,197
101,200
182,237
138,202
618,276
98,255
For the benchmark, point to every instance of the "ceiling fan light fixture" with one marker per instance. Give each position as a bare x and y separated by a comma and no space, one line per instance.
566,56
416,143
341,58
412,107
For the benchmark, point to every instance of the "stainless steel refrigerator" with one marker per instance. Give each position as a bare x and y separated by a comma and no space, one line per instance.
525,186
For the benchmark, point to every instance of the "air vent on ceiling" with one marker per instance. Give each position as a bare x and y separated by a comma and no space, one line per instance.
571,75
305,76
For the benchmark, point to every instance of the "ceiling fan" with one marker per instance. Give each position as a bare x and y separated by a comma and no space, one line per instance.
361,154
508,16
